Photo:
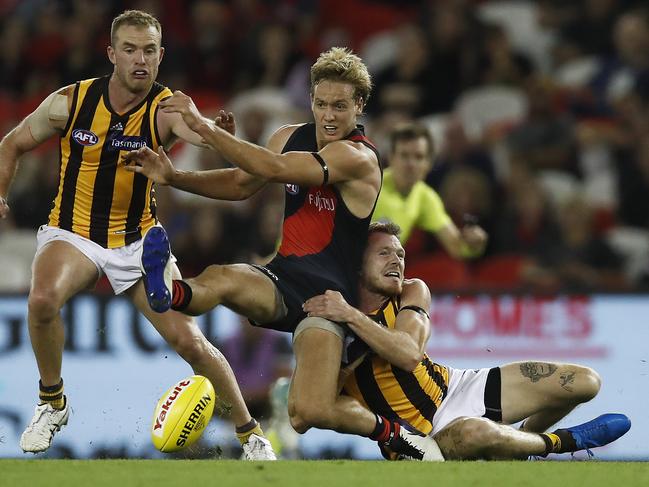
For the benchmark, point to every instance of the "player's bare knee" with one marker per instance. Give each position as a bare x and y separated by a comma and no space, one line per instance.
465,438
297,422
192,348
211,276
214,273
310,415
481,430
590,383
579,384
43,306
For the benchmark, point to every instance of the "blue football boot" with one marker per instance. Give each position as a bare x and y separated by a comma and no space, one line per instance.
157,269
599,431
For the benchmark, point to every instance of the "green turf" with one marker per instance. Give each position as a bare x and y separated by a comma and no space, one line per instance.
223,473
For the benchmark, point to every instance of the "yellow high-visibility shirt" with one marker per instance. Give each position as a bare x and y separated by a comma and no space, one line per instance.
421,208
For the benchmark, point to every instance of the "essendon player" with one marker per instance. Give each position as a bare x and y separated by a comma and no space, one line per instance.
333,177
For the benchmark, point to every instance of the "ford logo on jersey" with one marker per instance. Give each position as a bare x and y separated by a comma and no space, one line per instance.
84,137
292,189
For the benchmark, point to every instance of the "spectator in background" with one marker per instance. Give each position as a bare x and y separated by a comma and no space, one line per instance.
454,44
580,260
405,84
545,140
467,195
12,61
633,185
498,63
408,201
82,60
268,59
589,30
612,76
456,152
527,225
209,57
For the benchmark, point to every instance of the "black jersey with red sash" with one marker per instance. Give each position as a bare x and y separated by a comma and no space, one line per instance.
322,241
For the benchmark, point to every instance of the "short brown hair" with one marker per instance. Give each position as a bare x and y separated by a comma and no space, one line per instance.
133,17
388,227
341,64
411,131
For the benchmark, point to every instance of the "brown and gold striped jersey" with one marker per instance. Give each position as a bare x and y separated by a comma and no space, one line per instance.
97,198
393,392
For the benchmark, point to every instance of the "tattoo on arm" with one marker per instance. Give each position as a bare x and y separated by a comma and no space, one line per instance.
537,370
566,378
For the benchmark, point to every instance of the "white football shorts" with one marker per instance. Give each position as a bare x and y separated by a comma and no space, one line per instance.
465,397
120,265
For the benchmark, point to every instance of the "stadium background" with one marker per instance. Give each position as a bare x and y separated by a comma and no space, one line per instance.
539,111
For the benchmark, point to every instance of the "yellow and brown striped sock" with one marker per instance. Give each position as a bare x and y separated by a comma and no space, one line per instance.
51,394
559,441
552,443
250,428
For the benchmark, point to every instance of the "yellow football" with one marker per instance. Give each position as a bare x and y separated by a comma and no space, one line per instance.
182,414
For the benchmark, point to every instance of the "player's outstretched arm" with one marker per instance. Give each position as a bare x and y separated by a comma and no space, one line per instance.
402,346
231,184
344,160
47,120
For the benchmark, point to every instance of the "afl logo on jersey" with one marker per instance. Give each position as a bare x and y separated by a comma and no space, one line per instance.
292,189
84,137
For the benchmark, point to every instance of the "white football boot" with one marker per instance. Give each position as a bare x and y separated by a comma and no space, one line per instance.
410,444
38,435
258,448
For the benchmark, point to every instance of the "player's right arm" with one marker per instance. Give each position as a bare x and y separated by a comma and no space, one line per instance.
47,120
225,184
403,345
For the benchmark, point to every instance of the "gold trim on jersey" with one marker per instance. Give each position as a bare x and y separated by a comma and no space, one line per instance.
393,392
97,198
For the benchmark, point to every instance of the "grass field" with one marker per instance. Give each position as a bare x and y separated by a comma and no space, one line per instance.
224,473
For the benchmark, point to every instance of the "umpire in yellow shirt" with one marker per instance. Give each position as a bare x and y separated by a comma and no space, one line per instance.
409,202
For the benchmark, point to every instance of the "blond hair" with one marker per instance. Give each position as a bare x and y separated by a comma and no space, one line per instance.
133,17
342,65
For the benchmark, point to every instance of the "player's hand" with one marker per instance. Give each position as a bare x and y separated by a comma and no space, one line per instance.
226,122
330,305
155,166
475,237
4,207
183,104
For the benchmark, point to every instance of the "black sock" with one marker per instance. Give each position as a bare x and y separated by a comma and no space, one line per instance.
568,443
181,295
559,441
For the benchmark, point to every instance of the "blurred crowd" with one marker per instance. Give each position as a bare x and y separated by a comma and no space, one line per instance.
539,111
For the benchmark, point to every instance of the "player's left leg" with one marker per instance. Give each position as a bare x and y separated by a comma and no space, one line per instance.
468,438
541,393
314,387
241,287
183,334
